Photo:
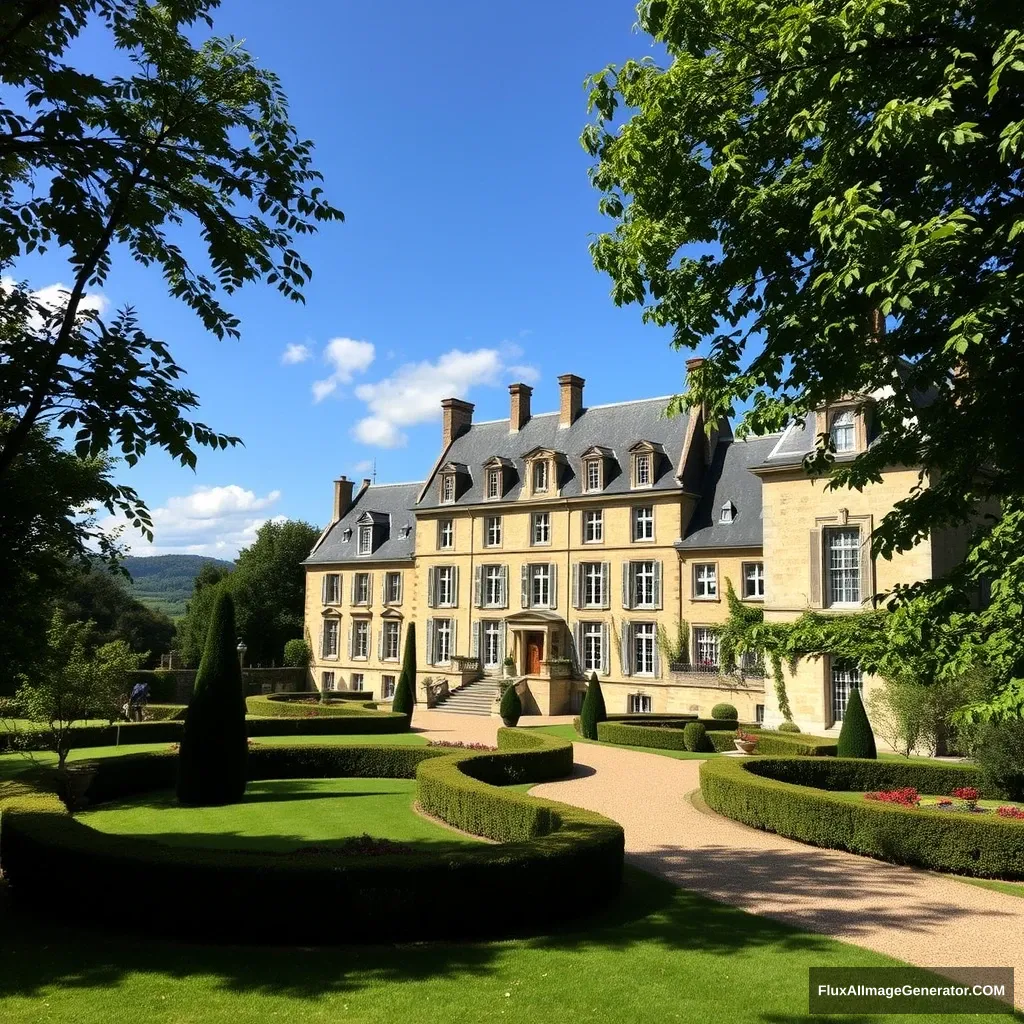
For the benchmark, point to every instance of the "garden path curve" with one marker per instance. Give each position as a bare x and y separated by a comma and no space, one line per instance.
916,916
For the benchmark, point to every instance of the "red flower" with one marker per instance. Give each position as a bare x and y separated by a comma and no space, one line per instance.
906,797
1011,812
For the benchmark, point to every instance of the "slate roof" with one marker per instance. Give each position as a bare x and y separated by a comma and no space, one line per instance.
797,440
729,478
391,502
617,427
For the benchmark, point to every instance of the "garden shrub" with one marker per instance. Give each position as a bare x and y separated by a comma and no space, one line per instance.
788,726
511,706
855,737
784,795
297,654
769,742
593,711
404,699
278,705
725,711
695,738
1000,755
211,762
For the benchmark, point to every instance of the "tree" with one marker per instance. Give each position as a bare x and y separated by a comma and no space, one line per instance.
855,737
194,135
213,756
800,177
297,654
593,710
404,700
511,706
195,624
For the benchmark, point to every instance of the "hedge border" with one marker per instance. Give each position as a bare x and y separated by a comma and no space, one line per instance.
267,706
790,796
776,743
666,734
330,695
56,864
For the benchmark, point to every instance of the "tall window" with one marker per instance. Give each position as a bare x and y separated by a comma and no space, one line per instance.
494,586
361,594
845,677
360,638
442,641
753,580
365,540
593,474
332,588
494,483
492,532
643,648
842,431
356,680
393,588
639,703
593,647
447,488
643,523
387,687
540,477
705,647
705,580
593,585
843,565
330,644
445,586
389,645
593,527
326,680
541,533
540,585
643,585
642,470
445,533
492,643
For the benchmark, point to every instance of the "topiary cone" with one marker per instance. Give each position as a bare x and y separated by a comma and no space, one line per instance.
855,737
511,707
212,760
593,710
405,691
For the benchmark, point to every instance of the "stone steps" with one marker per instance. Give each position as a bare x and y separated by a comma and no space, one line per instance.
472,699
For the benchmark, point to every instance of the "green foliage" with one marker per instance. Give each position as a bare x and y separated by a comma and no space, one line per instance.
725,711
785,795
212,759
855,737
297,653
769,742
695,738
675,649
1000,755
275,705
404,699
593,712
788,727
511,707
195,624
787,171
165,582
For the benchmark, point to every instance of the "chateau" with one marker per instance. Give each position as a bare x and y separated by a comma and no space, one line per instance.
601,539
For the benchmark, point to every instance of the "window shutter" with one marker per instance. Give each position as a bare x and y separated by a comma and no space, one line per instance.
553,585
431,590
867,575
323,640
657,587
606,584
369,588
380,643
625,585
454,650
478,586
503,586
524,579
401,588
323,589
352,588
657,660
455,586
815,569
501,645
576,601
430,641
625,648
605,653
398,650
475,649
577,648
351,637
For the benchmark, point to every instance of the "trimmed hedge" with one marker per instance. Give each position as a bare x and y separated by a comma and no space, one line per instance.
695,736
55,864
666,734
725,711
272,706
779,743
331,695
775,794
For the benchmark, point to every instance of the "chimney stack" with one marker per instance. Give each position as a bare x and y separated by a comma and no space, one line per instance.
520,411
342,497
456,417
571,405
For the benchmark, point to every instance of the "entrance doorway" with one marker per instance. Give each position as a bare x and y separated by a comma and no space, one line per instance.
534,653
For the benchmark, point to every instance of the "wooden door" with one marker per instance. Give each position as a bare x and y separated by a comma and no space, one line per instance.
534,653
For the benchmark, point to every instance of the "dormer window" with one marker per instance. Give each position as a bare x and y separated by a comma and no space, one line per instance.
447,488
365,539
642,470
593,475
842,430
493,483
644,464
540,477
346,534
728,513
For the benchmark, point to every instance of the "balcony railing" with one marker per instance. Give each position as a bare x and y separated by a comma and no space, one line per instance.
746,669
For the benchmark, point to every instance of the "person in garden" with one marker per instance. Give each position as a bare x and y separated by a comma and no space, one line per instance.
137,701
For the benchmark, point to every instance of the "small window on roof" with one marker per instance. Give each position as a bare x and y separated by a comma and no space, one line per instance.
346,534
728,513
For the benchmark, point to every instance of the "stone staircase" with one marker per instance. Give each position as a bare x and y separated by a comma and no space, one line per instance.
476,698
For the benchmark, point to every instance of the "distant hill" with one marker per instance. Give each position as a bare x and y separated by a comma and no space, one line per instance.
164,582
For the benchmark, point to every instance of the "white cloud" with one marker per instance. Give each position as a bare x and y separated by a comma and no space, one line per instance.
524,374
296,354
347,357
55,296
363,466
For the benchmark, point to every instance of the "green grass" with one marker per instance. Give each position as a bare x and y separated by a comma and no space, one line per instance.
279,815
1010,888
659,954
567,732
928,800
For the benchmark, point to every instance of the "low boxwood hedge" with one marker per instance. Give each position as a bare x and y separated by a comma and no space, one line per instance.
665,734
330,695
272,706
55,864
776,794
785,744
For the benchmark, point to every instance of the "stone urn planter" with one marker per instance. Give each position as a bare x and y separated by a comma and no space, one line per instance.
745,746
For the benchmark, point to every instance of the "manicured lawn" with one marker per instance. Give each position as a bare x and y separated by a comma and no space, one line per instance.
928,801
567,732
279,815
658,955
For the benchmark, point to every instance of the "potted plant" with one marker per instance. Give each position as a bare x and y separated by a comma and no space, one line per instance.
511,707
745,741
510,666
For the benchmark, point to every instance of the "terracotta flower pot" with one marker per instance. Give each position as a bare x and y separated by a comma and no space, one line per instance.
745,746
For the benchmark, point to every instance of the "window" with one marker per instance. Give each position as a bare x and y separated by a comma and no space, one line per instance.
540,477
541,532
643,648
643,585
356,681
843,565
593,475
365,540
442,641
332,588
492,532
705,647
753,581
389,642
326,680
728,513
842,431
393,588
361,588
643,523
593,647
845,677
493,586
387,687
492,643
445,584
330,641
447,488
360,638
642,470
759,714
494,483
445,533
593,527
540,586
593,585
705,581
639,703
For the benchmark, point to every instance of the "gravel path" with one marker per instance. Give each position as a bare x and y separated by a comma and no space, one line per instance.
916,916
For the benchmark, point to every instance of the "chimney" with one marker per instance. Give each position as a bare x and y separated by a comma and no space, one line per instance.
456,417
710,437
571,405
342,497
692,364
520,411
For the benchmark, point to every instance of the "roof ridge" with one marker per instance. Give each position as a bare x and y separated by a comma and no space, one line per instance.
586,409
398,483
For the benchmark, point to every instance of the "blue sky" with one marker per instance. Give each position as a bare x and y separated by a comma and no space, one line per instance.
448,133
